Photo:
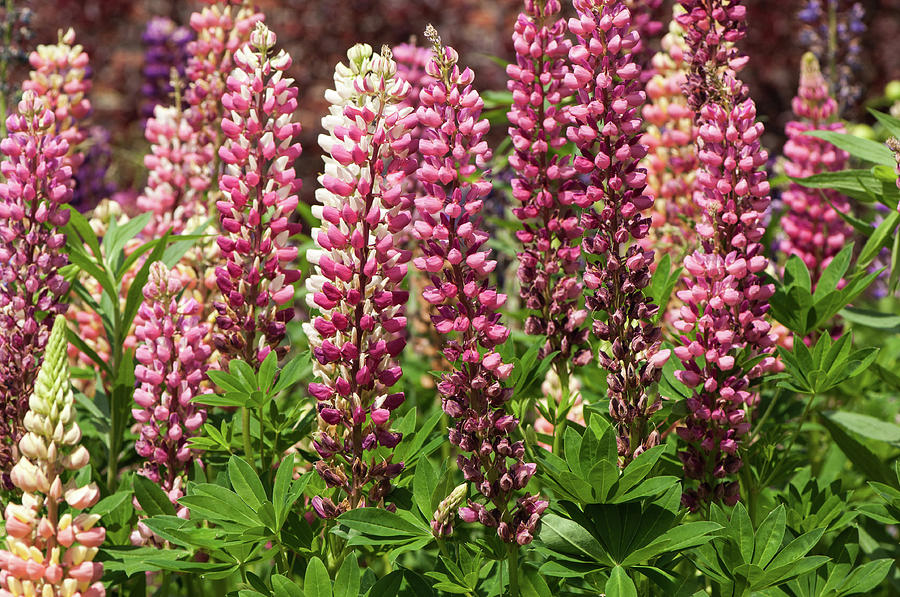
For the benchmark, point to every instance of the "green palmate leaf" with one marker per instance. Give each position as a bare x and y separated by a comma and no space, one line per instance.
861,457
867,577
151,497
769,537
887,322
79,227
620,584
245,482
424,482
347,582
533,584
292,372
864,149
380,523
878,239
571,539
867,426
316,583
887,121
834,273
85,263
136,291
861,185
118,236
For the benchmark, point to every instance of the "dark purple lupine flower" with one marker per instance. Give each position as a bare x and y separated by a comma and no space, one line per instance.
454,157
37,185
165,56
606,129
91,183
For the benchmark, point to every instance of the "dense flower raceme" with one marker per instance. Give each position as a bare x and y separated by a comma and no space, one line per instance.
37,184
833,30
606,130
359,271
672,159
454,155
176,177
221,29
91,182
172,357
259,195
722,321
645,20
60,76
50,540
813,229
165,51
548,273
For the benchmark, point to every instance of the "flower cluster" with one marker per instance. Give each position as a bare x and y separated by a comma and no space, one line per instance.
454,154
172,357
220,30
606,130
645,20
359,271
548,270
91,183
37,184
259,189
672,159
60,76
165,51
50,546
813,229
833,31
722,321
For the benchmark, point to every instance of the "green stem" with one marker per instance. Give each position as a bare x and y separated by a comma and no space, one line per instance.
265,469
562,414
513,561
800,423
245,432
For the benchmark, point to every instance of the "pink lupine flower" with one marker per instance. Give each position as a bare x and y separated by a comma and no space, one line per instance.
725,297
359,272
813,229
548,273
51,541
672,159
172,360
36,187
454,156
606,130
60,77
259,189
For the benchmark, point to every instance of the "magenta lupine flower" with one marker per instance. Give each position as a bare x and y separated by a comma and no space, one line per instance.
37,184
549,276
454,157
60,76
813,229
606,129
359,272
171,357
259,189
645,20
725,300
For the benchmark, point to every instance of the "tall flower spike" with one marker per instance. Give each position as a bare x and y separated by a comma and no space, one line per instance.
722,321
672,159
607,130
813,229
33,195
259,189
454,157
550,281
172,357
359,273
51,541
60,76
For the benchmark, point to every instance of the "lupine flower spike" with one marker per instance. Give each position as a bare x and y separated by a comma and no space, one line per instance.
723,316
672,159
813,230
165,50
454,156
550,281
259,189
37,185
60,76
172,357
607,130
51,540
359,273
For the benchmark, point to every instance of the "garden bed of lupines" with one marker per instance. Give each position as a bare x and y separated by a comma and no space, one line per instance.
616,347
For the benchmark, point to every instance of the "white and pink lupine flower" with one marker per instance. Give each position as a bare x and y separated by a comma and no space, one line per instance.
360,266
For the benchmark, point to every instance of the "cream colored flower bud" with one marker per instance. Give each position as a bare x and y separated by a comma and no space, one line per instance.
33,446
77,459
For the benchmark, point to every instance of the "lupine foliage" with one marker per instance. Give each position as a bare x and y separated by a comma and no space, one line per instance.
577,336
